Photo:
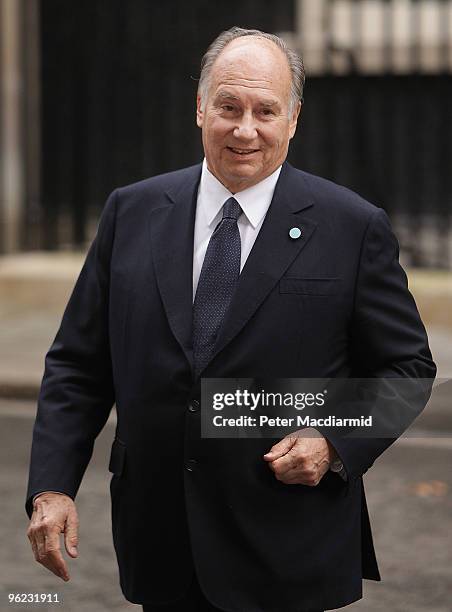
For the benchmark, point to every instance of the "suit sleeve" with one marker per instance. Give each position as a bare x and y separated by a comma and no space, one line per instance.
77,391
388,338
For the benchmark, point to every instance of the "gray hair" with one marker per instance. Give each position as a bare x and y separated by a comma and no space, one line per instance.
217,46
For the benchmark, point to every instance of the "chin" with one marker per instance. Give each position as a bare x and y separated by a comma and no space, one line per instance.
244,173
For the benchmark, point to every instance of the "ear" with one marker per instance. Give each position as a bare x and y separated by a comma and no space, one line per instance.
199,111
293,120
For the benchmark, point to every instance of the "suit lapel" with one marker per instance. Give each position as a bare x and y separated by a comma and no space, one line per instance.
272,253
172,230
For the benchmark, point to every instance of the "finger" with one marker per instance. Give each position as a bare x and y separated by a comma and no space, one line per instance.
52,558
33,544
308,477
35,551
280,448
31,534
305,455
56,564
47,537
39,542
71,535
38,521
323,467
290,461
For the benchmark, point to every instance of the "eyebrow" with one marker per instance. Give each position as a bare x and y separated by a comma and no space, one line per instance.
226,95
269,104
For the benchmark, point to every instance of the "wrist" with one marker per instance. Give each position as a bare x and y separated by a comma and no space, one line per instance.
47,493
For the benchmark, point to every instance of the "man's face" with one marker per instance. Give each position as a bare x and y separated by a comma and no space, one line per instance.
245,121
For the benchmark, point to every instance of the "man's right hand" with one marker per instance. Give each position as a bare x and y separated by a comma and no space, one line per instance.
53,514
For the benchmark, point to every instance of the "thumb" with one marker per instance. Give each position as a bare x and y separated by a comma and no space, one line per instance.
280,449
71,535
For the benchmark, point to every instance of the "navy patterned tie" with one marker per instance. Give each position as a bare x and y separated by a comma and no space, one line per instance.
217,282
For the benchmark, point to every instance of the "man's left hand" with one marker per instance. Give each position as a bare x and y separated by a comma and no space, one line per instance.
301,458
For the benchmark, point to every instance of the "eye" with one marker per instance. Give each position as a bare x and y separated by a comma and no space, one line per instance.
267,112
228,108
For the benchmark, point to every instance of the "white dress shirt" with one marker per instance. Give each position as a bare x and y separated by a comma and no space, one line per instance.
212,194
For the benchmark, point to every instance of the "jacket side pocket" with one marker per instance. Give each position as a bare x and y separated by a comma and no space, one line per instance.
117,457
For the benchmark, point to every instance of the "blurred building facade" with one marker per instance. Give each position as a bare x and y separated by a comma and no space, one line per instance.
100,93
378,116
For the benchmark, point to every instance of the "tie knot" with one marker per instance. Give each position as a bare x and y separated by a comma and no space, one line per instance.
231,209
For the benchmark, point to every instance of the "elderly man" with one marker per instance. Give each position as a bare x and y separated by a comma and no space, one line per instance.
240,267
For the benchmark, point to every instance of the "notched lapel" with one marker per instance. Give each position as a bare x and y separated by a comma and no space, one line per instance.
272,253
172,229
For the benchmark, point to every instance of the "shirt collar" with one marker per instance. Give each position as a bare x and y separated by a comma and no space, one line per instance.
254,201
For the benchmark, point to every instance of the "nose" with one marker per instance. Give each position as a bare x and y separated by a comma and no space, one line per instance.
246,128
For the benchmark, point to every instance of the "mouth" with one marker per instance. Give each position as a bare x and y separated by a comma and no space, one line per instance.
243,152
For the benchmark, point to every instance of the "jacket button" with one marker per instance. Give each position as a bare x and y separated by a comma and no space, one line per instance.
193,406
191,465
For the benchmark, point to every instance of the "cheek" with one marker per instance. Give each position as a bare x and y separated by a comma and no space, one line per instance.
279,147
274,138
215,138
211,139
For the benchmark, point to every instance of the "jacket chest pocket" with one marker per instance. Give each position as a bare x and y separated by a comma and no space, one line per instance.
310,286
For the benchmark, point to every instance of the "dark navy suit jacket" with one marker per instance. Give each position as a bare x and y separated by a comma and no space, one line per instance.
333,303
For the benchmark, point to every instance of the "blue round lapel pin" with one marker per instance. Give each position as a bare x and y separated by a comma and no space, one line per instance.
295,233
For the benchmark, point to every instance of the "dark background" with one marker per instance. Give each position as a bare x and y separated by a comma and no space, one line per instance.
118,94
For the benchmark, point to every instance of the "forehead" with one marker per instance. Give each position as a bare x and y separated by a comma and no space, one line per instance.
248,64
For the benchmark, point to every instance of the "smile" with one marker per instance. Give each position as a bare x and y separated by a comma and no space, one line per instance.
243,151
